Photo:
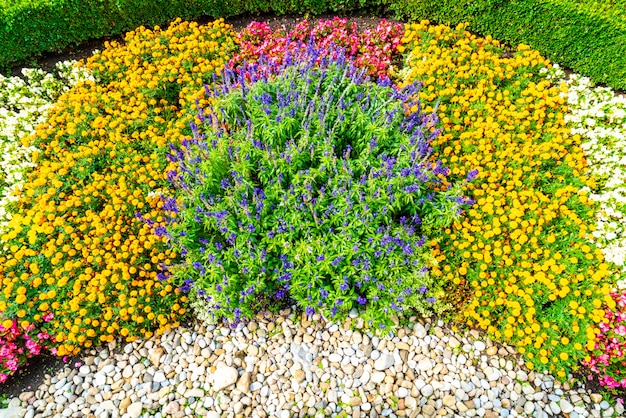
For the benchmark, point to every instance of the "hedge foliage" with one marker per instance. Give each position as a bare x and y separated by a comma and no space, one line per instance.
588,39
588,36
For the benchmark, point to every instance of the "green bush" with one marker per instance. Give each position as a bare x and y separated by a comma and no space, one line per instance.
589,40
588,36
310,185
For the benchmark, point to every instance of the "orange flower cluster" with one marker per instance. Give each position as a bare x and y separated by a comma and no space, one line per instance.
521,250
76,248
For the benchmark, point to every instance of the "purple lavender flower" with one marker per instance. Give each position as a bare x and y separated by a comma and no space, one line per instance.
472,175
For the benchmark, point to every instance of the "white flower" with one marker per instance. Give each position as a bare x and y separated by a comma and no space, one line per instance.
24,104
599,117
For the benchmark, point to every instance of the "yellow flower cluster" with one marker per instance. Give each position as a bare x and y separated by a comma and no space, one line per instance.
519,256
76,248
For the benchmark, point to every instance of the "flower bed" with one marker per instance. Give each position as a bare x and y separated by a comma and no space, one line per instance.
307,182
523,250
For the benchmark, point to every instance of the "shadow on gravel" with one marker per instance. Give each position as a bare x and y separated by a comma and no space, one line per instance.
29,378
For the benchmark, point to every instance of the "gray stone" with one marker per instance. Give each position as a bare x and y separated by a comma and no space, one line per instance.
419,330
427,391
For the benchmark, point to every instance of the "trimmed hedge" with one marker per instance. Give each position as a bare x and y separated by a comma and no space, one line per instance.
29,28
588,36
575,34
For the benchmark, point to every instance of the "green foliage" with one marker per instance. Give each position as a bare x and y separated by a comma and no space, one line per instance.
588,36
588,39
319,192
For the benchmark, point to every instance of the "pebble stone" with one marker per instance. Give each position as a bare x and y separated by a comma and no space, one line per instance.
307,368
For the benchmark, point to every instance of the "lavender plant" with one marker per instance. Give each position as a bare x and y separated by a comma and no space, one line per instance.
308,183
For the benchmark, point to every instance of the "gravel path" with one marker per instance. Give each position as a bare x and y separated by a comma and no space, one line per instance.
304,367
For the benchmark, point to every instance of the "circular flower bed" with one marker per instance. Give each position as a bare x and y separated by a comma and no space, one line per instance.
268,168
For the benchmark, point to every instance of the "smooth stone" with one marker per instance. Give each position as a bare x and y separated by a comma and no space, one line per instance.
108,405
127,372
378,377
365,377
155,356
243,384
419,331
172,408
595,397
224,377
384,362
428,410
424,364
335,358
449,400
427,390
529,407
134,410
12,412
99,379
159,377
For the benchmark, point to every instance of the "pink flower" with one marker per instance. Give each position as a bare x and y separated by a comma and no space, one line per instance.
11,365
607,359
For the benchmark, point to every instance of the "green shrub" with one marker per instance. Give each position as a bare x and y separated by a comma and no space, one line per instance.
310,184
